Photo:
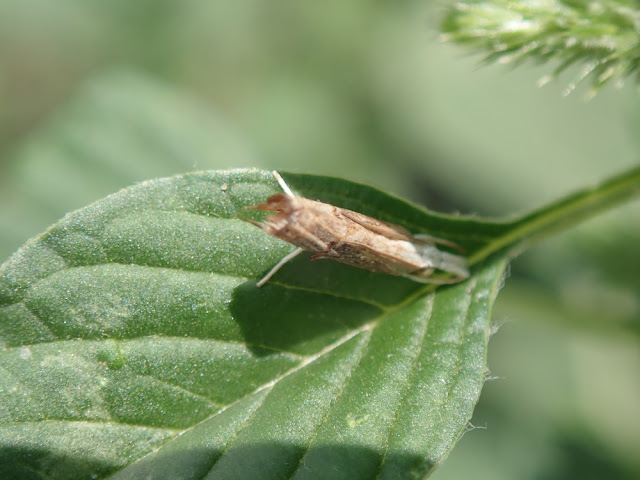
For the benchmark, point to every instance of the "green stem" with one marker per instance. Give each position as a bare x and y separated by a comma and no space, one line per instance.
564,213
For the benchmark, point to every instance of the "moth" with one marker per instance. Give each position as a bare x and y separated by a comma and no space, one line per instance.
355,239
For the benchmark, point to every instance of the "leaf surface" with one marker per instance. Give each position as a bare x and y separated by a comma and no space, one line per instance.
135,343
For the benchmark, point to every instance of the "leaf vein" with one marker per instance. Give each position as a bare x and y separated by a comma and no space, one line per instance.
241,426
379,306
108,423
413,368
361,352
181,388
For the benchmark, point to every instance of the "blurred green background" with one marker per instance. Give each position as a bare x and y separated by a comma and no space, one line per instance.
97,95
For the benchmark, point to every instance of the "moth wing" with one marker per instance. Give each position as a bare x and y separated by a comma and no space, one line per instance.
365,256
388,230
395,264
396,232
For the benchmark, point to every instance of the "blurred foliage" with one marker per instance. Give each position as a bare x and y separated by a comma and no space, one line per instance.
601,35
362,90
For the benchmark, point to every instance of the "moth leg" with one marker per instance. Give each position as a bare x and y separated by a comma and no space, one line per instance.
279,265
326,253
283,184
438,241
423,277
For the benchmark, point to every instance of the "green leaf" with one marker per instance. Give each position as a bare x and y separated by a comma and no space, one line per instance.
135,343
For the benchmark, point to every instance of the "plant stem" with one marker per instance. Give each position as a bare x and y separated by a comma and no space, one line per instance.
564,213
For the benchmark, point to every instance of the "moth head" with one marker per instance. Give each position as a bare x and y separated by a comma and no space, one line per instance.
281,203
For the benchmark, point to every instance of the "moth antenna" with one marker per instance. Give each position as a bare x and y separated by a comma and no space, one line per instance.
279,265
283,184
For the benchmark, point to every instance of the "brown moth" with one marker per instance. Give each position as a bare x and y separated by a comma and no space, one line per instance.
356,239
